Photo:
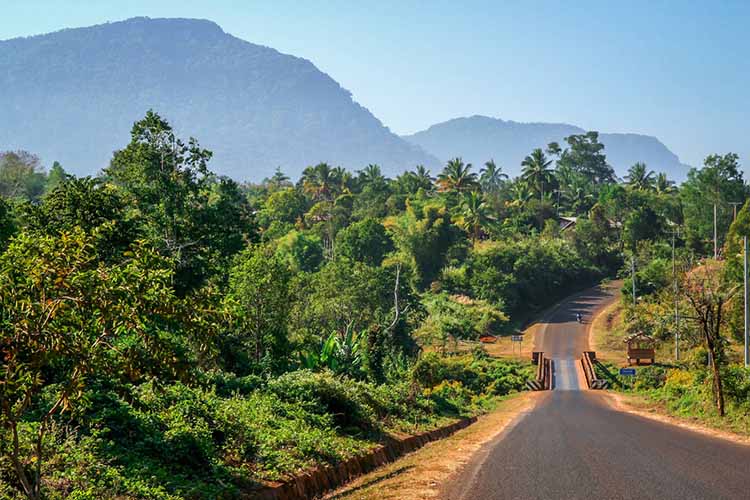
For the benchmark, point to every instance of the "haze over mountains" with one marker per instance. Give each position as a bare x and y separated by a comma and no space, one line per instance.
479,138
73,95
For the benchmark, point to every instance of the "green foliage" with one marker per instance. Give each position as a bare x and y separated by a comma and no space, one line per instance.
259,301
338,354
285,205
458,317
302,252
424,235
169,188
719,182
155,349
21,176
365,241
90,204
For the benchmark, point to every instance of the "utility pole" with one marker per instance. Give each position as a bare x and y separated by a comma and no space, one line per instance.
676,313
716,242
747,305
632,274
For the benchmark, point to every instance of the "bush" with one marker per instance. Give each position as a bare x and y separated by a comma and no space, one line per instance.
650,377
323,393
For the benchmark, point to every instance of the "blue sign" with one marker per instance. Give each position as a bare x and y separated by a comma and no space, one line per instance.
516,338
627,372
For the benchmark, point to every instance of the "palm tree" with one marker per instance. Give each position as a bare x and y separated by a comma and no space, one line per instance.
520,193
491,177
640,178
457,176
371,174
423,174
320,181
536,171
474,214
663,185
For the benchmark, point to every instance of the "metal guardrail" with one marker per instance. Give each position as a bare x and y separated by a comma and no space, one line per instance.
592,381
543,380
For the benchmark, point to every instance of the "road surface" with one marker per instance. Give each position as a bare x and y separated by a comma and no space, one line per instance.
574,445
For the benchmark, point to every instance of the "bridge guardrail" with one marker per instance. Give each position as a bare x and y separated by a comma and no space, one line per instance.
592,381
543,380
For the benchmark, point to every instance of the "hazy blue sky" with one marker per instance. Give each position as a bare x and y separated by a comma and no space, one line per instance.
679,70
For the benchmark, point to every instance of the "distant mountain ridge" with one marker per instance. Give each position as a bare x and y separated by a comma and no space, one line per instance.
478,138
73,96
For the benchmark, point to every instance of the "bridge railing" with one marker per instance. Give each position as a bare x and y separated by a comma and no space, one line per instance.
543,378
588,361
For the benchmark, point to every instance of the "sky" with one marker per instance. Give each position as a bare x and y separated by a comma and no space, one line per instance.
678,70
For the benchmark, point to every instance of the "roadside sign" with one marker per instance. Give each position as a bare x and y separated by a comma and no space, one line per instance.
627,372
516,338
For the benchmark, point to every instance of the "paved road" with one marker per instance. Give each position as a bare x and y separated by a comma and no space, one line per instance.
573,445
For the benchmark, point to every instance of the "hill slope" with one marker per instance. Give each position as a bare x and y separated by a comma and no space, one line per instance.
73,95
479,138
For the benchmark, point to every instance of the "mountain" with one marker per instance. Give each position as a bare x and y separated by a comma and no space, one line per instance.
73,96
478,138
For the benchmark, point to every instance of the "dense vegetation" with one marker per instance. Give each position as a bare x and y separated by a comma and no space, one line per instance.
168,333
689,298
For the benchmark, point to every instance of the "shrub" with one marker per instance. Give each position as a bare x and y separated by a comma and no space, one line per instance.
650,377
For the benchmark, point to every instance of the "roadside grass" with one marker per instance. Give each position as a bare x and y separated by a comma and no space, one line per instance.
685,395
607,334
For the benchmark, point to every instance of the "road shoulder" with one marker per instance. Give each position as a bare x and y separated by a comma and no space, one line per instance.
423,474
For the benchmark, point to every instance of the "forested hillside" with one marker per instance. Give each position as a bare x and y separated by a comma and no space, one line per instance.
169,333
70,96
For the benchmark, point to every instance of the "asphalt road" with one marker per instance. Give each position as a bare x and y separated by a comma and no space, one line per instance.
573,445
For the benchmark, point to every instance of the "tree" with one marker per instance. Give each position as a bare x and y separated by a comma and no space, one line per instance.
278,180
663,185
7,224
520,193
474,214
65,318
374,192
284,205
321,182
424,235
259,299
365,241
457,176
411,182
301,251
491,177
717,183
21,175
640,178
585,156
89,204
57,175
371,174
708,294
168,187
536,171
